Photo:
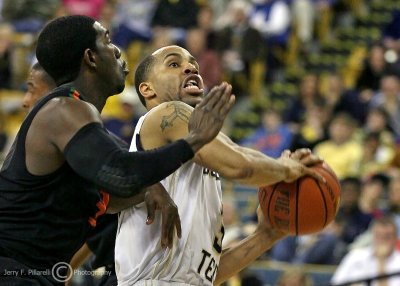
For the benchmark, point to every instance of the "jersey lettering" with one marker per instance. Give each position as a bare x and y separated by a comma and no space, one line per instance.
205,255
211,267
210,271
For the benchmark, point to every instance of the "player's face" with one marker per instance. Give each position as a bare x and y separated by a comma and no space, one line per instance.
175,76
37,88
111,68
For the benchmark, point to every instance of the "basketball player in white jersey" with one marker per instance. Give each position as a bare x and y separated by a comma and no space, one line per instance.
168,84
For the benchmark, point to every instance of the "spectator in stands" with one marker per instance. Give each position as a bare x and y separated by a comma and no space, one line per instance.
376,156
339,99
340,150
250,279
388,98
355,220
332,91
240,48
6,34
178,16
391,41
107,15
372,200
307,98
123,124
91,8
294,276
272,19
219,10
303,18
205,22
29,16
272,137
324,247
324,17
391,33
373,69
133,21
394,201
234,231
380,257
377,121
312,129
380,148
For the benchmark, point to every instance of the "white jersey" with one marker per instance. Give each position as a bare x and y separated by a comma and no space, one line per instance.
193,259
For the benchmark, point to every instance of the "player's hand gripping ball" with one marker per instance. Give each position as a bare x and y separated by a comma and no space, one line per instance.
304,206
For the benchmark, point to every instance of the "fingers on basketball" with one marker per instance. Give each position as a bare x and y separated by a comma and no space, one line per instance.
304,206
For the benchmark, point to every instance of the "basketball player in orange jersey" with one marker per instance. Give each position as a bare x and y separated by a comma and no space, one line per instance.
39,83
168,84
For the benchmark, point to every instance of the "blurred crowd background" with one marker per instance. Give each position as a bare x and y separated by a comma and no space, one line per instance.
319,74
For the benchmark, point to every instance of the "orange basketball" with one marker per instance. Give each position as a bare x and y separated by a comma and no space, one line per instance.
303,206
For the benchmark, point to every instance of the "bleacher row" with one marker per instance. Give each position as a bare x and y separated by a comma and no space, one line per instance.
344,53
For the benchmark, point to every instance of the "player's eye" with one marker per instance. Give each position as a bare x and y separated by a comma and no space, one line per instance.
174,65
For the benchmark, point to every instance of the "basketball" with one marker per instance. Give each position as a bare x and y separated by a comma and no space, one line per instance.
304,206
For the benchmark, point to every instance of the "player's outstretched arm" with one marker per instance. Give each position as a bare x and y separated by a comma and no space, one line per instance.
168,122
251,167
77,132
240,256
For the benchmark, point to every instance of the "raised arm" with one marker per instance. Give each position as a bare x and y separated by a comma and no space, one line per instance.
167,123
76,135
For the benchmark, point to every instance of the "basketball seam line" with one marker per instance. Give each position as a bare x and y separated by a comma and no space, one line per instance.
336,180
269,202
324,199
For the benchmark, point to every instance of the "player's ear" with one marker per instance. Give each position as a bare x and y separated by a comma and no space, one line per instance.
89,57
146,89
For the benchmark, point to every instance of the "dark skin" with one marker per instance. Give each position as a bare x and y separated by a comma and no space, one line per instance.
101,75
37,88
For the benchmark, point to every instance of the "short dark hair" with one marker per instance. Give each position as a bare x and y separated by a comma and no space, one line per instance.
44,75
61,45
385,220
355,181
142,73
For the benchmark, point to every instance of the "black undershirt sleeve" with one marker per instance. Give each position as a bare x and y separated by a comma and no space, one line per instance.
95,155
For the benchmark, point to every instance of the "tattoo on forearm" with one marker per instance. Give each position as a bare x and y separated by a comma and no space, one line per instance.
178,112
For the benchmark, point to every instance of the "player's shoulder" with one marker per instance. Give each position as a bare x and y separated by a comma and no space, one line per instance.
167,121
65,108
170,107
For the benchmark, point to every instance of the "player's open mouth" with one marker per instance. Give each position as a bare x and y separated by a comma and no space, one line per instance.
193,85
